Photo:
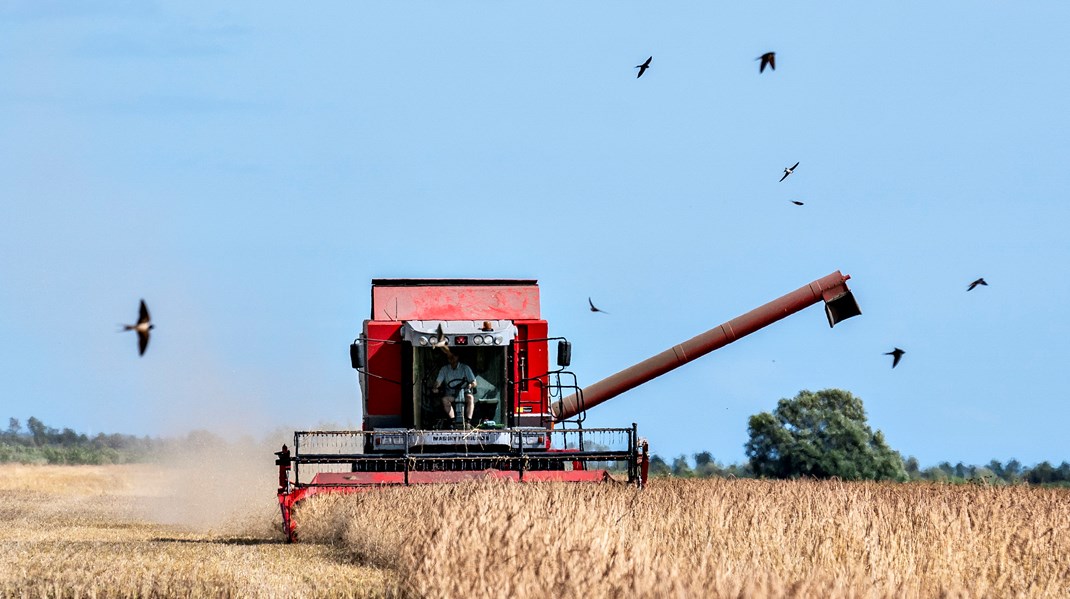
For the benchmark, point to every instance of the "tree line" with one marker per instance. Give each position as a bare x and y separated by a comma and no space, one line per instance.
821,434
37,443
824,434
703,465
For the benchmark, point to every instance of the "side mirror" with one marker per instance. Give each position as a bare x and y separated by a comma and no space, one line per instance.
356,354
564,353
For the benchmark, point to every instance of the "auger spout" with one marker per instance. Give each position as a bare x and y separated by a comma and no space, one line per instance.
832,289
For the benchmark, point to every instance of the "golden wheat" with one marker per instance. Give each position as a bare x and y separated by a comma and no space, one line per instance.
714,538
129,531
94,531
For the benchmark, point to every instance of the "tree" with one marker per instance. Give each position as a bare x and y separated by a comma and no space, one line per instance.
997,468
38,430
1012,472
821,434
706,466
961,472
1062,474
703,458
681,468
658,467
1042,473
913,468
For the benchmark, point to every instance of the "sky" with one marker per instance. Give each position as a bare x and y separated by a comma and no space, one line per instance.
248,168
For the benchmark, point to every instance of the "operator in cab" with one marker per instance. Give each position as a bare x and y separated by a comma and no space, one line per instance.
458,378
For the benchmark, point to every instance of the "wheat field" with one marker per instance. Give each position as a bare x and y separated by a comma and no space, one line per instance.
152,531
114,532
709,538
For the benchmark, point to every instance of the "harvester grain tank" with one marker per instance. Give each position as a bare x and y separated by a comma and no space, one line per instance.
526,418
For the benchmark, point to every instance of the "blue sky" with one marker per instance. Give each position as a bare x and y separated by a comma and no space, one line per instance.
249,168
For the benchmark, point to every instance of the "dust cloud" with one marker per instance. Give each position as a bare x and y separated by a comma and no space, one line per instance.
208,484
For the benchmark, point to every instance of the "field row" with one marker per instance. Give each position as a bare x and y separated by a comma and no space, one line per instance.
138,531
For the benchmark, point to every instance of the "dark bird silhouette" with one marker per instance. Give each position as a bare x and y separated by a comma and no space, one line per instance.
441,340
643,67
789,171
593,309
797,202
769,58
895,354
980,281
143,326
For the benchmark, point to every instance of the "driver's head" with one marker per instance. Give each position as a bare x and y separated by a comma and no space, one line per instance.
453,360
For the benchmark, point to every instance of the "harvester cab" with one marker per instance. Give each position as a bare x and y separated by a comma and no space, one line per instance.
456,384
480,349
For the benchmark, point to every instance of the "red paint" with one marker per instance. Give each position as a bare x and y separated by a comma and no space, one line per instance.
397,300
435,299
383,396
535,397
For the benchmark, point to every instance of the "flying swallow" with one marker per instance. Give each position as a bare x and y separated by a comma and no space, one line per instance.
643,67
143,326
796,202
789,171
980,281
769,58
895,354
593,309
440,341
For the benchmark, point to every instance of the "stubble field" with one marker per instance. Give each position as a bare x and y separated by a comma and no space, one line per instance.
145,531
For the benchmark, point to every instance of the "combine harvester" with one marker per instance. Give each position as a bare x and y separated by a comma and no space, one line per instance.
527,419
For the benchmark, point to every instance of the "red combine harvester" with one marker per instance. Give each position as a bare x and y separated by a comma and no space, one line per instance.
508,415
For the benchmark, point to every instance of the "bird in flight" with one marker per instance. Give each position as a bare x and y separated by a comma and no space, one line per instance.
980,281
796,202
440,341
769,58
895,354
643,67
594,309
789,171
142,328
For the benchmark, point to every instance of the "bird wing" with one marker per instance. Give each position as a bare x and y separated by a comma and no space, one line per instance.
593,309
143,314
142,342
786,173
794,166
895,354
772,60
647,63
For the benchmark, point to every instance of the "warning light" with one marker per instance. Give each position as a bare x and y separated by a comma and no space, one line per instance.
460,340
